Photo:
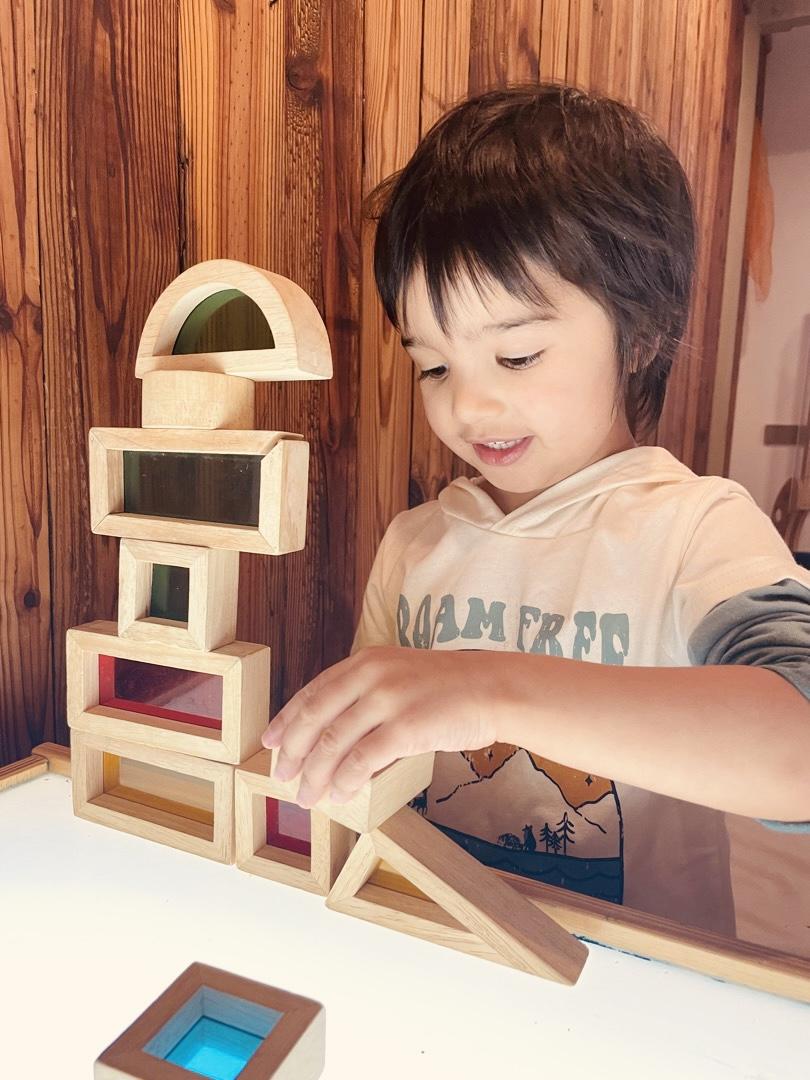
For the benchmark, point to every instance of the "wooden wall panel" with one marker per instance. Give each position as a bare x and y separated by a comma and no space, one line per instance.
25,608
109,239
446,64
270,115
705,100
392,79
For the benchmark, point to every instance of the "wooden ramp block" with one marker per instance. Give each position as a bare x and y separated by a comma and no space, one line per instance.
280,1036
173,799
284,856
211,588
211,704
379,798
486,916
239,490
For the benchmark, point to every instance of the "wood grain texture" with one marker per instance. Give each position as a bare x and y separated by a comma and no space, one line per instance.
26,707
480,900
108,208
708,62
392,89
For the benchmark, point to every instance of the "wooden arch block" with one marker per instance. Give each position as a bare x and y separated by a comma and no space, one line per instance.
472,909
300,342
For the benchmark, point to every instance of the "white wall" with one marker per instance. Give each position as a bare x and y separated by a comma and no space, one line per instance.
775,352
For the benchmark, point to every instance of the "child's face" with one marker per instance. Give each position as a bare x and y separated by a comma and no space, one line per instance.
562,404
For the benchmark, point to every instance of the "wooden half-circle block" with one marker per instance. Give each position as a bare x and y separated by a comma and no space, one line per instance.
300,345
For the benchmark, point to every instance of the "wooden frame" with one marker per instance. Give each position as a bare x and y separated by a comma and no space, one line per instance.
293,1050
245,671
282,494
98,797
379,798
301,343
330,842
212,594
197,399
475,910
47,757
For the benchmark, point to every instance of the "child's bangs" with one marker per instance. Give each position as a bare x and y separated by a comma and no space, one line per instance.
483,248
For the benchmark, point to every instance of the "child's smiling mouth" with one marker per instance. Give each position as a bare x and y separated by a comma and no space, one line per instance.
503,452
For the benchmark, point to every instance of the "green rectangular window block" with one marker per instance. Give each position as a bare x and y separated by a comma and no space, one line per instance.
169,594
217,488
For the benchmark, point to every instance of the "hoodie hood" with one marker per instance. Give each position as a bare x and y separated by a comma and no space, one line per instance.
570,504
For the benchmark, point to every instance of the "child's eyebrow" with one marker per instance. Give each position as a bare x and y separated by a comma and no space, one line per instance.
508,324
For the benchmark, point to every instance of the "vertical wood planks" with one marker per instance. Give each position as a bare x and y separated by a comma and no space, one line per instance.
392,82
108,235
270,108
708,63
26,712
445,80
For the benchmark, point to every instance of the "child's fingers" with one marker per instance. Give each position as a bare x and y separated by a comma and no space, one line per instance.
335,742
382,746
312,710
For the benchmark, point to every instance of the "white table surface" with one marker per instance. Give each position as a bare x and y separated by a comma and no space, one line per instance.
95,924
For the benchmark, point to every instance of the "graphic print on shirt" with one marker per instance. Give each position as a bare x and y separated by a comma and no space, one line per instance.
509,807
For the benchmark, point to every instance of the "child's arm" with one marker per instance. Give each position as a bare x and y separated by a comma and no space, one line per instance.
733,737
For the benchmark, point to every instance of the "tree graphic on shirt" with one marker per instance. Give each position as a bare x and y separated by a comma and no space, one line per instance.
567,832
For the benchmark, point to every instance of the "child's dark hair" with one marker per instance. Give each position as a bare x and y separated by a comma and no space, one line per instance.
582,185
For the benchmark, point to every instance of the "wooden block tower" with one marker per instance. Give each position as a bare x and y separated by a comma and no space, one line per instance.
165,703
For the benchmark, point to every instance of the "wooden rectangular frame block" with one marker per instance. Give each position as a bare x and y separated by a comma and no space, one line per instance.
245,671
473,910
283,488
379,798
155,819
294,1049
212,594
331,842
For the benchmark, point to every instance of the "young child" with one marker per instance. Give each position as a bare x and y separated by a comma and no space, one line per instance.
608,650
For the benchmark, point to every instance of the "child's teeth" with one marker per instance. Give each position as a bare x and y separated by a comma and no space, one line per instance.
502,445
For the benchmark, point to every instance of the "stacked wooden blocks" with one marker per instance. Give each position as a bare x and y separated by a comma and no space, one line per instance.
166,708
165,704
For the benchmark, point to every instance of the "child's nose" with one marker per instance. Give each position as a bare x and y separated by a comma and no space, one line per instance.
473,402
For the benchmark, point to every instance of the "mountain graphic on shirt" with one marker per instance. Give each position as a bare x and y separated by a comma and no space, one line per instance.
527,814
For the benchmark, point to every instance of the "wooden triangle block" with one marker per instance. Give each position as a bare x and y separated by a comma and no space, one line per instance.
486,916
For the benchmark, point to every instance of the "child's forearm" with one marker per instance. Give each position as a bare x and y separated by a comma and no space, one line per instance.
732,737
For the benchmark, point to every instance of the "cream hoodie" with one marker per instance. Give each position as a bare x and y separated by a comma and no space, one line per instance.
615,564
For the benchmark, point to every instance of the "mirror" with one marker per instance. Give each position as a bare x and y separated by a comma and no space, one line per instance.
226,321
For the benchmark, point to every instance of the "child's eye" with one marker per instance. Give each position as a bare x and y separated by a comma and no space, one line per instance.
518,362
432,373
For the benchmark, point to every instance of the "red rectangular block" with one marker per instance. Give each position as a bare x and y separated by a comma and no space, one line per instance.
190,697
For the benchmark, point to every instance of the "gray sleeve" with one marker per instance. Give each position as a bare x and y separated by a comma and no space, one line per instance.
768,626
